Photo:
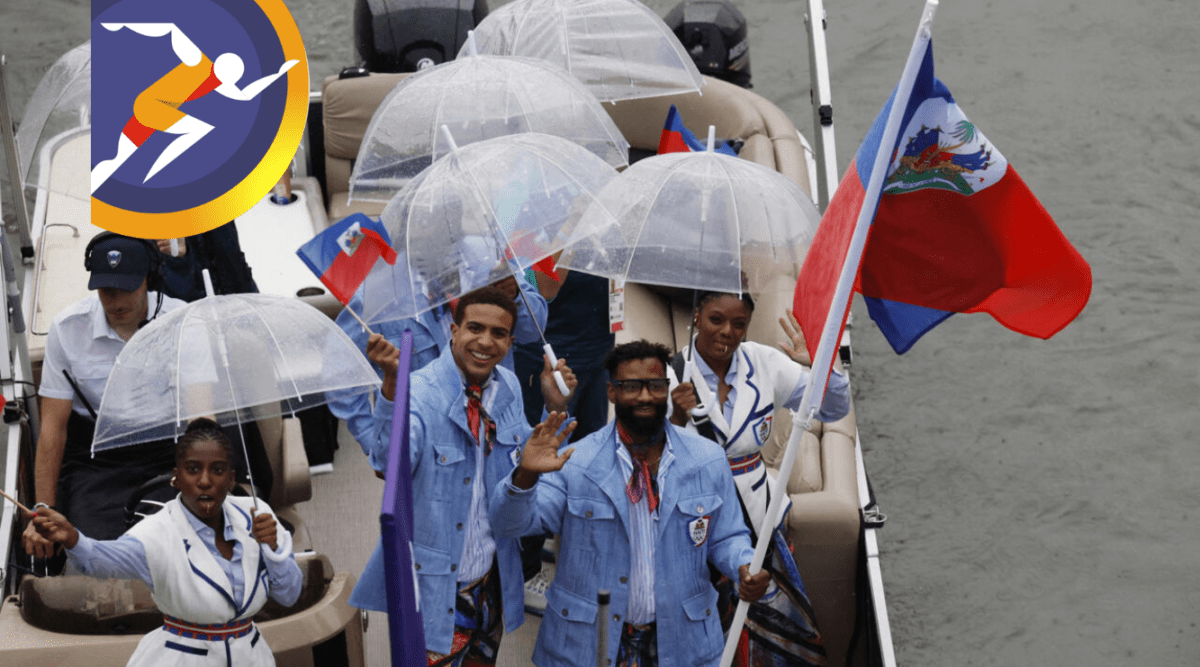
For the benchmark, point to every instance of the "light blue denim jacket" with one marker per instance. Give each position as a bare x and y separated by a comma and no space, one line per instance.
443,462
431,335
586,505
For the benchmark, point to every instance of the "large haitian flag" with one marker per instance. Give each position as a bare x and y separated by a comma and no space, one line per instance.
956,231
344,253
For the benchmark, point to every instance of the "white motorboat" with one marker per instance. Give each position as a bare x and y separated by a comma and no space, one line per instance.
48,621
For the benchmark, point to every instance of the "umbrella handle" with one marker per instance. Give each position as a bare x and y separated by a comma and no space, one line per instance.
558,376
700,412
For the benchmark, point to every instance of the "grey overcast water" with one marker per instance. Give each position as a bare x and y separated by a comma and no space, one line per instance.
1042,495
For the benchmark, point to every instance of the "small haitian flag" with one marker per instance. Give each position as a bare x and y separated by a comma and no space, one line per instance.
678,139
343,254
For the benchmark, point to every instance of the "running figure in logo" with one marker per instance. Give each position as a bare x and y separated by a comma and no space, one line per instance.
157,108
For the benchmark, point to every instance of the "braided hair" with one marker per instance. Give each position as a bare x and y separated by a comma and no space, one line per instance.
203,430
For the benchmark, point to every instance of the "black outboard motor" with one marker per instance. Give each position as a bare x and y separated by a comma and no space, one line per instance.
714,34
408,35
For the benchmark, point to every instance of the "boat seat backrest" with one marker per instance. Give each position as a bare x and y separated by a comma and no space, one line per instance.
769,136
284,445
82,605
347,107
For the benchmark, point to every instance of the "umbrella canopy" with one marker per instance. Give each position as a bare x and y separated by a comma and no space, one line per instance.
59,112
619,49
238,357
695,220
477,215
477,97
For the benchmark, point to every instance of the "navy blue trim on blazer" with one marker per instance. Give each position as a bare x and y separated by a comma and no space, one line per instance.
205,578
754,414
183,648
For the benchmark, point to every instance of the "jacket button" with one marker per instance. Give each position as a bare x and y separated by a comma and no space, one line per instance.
453,567
443,459
624,580
416,566
450,611
699,508
617,617
459,526
588,514
466,480
708,612
564,612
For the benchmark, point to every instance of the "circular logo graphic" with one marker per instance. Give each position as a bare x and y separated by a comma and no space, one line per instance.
198,108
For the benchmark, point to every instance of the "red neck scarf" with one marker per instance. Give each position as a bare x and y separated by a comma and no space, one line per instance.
641,482
476,413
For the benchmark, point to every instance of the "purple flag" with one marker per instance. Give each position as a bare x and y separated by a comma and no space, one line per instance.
405,626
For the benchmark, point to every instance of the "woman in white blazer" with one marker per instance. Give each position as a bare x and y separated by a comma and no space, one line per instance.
744,382
210,560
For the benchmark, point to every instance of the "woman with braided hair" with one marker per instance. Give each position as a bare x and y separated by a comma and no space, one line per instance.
745,382
211,560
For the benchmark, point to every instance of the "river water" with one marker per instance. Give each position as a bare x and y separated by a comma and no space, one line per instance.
1042,495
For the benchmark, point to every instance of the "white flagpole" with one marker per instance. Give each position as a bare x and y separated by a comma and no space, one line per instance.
814,393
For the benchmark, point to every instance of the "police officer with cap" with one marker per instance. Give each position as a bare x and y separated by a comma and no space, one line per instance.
83,343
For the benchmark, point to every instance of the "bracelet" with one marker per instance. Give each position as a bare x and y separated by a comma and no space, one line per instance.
38,506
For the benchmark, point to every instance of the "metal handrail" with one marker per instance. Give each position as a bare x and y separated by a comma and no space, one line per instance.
37,276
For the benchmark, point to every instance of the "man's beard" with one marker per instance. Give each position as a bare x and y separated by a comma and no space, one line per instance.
642,427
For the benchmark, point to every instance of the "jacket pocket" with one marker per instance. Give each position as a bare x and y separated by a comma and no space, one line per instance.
698,506
590,508
569,627
429,561
704,624
450,468
447,454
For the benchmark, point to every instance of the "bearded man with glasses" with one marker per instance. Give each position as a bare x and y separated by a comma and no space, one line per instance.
641,507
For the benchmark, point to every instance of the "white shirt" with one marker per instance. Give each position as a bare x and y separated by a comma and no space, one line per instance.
643,531
82,342
479,547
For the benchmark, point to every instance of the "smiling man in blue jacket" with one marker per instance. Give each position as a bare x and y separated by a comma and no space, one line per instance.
641,508
467,425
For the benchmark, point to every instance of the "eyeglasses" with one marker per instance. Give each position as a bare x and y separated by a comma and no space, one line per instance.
657,386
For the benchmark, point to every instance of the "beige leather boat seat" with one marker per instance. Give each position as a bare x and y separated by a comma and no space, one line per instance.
80,605
348,105
284,444
770,137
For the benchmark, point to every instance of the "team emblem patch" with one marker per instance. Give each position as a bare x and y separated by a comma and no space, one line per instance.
763,429
114,258
698,530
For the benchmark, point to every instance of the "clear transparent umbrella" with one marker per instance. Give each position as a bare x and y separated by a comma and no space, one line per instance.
695,220
478,214
701,221
619,49
237,358
479,97
57,125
